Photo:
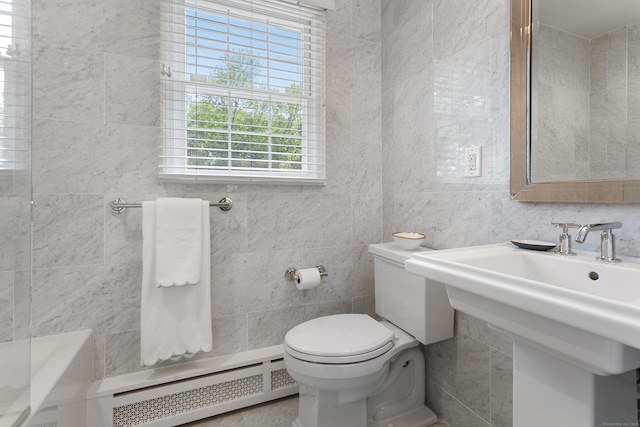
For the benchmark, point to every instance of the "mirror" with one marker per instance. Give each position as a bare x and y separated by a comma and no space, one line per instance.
575,101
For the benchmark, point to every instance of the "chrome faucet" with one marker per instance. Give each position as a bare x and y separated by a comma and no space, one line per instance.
607,242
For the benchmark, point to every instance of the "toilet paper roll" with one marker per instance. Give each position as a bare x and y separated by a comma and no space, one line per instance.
307,278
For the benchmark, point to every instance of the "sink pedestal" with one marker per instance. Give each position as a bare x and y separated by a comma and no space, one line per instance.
550,391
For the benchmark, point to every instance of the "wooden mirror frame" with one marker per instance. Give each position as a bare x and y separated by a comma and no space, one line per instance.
522,189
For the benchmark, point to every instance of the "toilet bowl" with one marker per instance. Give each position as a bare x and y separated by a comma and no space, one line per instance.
346,386
354,371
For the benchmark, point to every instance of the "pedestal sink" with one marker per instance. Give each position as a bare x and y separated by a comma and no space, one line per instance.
575,324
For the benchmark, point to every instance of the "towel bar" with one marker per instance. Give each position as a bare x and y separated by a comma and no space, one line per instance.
119,205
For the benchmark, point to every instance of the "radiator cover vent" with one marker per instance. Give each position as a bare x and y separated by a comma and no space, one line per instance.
281,379
193,392
186,401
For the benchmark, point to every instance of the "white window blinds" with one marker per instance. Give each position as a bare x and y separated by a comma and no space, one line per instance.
15,80
243,91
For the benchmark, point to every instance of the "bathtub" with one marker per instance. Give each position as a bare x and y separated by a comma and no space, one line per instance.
14,381
63,392
61,372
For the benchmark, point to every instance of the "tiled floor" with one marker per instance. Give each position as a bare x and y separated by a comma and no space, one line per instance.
279,413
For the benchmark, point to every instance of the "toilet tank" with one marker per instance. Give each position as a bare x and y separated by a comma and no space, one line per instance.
413,303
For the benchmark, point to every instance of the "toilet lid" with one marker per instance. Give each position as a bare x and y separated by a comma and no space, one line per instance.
341,338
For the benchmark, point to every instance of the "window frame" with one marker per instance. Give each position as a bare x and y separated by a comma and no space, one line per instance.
178,84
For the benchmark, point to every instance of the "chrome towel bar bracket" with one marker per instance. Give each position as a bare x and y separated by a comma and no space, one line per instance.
119,205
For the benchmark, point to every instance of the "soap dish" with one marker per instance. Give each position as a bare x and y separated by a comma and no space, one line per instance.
534,245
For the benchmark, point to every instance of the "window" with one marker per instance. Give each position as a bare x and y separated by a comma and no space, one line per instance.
243,91
15,80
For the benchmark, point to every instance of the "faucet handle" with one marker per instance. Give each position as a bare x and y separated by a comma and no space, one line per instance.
565,225
564,248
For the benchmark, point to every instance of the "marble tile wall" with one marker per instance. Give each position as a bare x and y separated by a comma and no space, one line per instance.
633,94
6,306
560,108
445,85
613,117
15,229
96,136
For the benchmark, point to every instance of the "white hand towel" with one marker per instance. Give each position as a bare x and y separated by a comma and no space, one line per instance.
174,321
178,241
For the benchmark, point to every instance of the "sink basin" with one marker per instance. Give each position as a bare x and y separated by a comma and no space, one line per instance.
580,274
577,307
575,323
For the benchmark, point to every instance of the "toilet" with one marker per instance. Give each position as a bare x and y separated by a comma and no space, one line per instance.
355,371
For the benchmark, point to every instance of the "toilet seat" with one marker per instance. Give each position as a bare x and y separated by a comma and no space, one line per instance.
339,339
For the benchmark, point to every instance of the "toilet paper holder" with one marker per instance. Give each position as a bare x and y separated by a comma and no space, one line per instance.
292,274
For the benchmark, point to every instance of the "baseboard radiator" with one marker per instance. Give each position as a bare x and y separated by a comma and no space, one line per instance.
183,393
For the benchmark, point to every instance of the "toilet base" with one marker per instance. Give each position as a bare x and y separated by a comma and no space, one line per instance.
318,408
393,396
419,417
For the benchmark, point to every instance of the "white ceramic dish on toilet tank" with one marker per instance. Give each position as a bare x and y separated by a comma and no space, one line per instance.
408,240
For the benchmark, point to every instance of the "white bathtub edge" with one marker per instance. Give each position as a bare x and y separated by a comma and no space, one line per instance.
45,378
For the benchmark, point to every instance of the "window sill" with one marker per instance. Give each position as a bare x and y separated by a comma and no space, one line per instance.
218,179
